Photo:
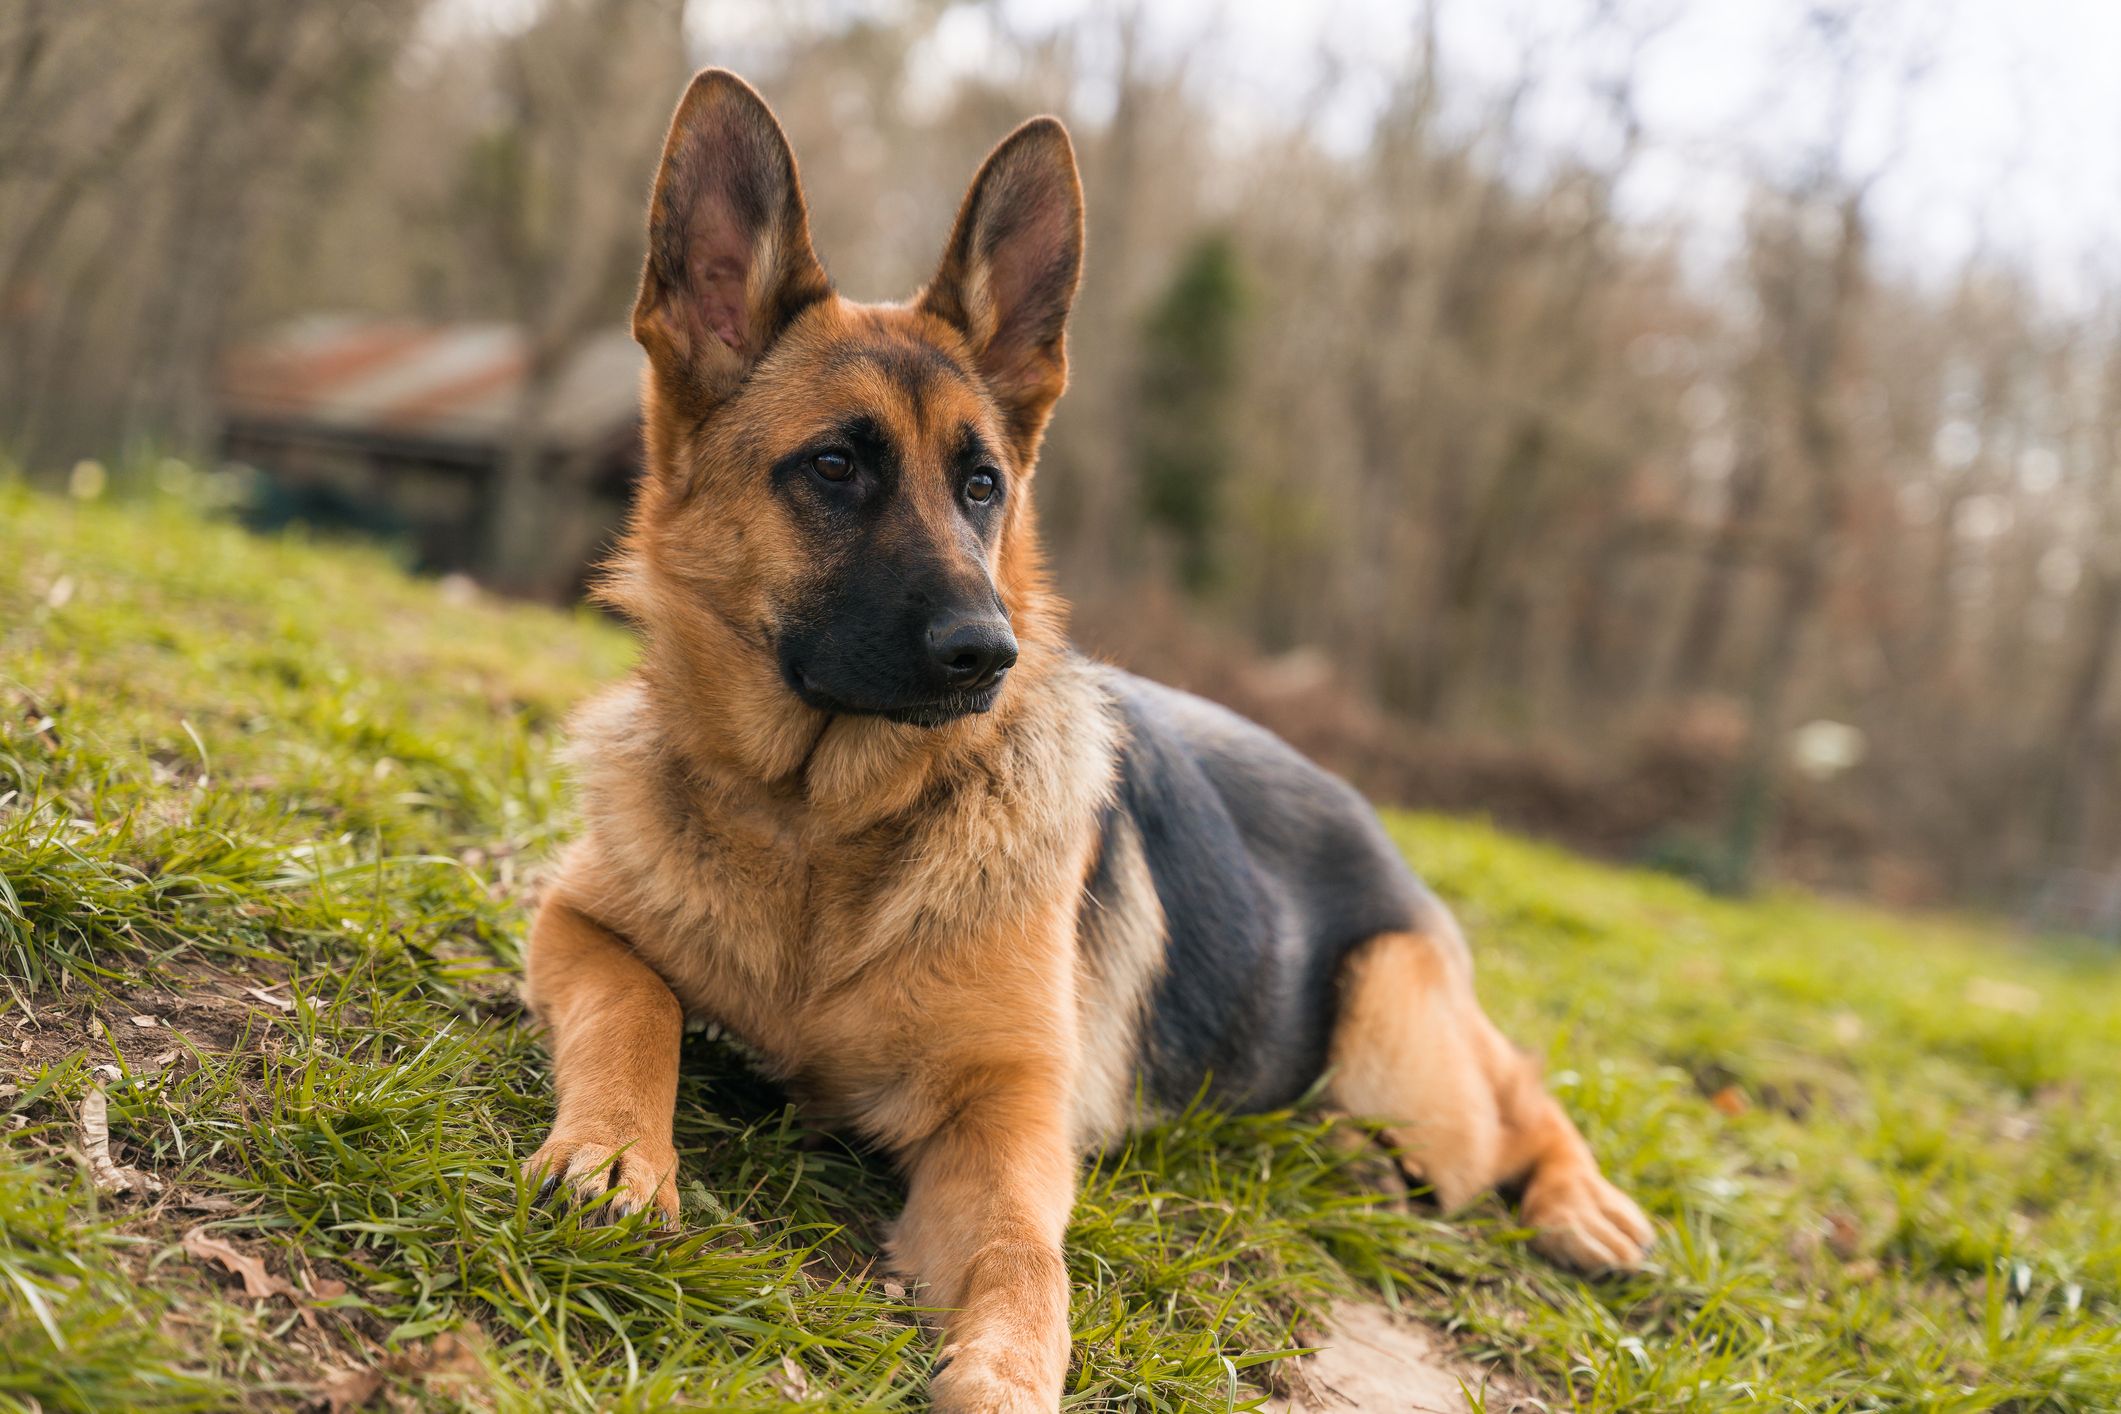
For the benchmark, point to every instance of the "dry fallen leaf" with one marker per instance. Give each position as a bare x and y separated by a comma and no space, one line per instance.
194,1202
1844,1235
258,1283
109,1175
350,1390
895,1290
452,1355
146,1023
791,1381
1730,1100
269,999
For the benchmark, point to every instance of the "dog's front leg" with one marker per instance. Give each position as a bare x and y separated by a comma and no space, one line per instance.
613,1028
986,1208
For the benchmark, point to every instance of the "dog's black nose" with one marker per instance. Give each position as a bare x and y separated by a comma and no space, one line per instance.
972,651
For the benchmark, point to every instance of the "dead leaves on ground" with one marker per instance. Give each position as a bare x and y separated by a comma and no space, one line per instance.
258,1283
790,1381
451,1358
348,1390
385,1378
109,1175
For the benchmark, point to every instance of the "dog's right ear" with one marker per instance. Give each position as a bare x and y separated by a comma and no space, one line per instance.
729,257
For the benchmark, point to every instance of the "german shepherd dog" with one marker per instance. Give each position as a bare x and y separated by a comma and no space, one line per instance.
966,893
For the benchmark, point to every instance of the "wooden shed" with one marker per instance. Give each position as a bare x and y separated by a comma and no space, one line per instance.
399,429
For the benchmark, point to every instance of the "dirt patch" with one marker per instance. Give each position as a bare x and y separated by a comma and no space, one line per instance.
153,1022
1376,1362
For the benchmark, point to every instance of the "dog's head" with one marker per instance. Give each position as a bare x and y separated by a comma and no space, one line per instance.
844,488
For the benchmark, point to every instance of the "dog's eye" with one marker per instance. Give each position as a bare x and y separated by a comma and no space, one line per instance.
833,466
980,486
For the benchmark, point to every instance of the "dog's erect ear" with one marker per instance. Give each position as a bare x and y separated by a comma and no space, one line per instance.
1009,273
729,257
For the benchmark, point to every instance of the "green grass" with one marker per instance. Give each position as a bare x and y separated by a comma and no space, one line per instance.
1884,1152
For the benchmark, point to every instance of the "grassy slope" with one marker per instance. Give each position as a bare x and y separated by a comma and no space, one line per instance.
228,763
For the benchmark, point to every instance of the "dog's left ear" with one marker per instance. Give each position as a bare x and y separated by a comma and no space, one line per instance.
1010,270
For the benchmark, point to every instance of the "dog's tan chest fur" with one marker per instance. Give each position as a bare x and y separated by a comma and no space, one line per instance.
856,954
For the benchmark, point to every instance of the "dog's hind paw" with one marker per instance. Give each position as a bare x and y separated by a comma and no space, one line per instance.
1580,1219
637,1176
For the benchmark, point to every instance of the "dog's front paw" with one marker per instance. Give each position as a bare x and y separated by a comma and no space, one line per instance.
1580,1219
978,1379
638,1175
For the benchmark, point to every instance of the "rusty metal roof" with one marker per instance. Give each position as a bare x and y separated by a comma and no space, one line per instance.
397,378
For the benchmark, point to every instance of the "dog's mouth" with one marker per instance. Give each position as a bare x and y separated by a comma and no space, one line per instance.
929,712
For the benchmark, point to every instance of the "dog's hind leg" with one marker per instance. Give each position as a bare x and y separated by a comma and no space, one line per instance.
1465,1107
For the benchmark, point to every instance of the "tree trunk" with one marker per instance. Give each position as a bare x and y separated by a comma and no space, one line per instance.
519,508
2076,770
1470,567
1708,614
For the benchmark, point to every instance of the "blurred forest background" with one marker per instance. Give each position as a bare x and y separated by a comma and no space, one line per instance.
1394,422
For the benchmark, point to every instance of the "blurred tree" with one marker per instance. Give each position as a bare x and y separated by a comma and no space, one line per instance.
552,193
268,70
1184,451
146,150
